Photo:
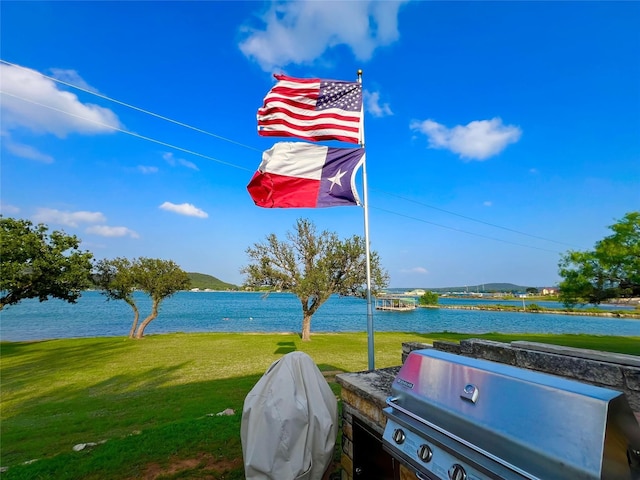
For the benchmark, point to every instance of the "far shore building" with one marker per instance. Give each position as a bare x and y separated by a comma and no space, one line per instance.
418,292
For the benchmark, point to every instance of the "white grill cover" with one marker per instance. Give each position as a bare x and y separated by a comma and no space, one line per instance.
289,422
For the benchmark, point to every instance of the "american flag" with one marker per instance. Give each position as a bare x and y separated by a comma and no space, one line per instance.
312,109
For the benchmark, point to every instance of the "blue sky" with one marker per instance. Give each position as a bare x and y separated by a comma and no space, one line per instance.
499,135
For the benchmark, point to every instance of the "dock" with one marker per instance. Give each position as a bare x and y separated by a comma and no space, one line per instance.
395,303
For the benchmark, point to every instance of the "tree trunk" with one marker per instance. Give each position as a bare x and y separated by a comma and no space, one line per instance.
147,321
136,317
306,328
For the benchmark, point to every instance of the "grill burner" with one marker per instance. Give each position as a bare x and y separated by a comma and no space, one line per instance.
458,418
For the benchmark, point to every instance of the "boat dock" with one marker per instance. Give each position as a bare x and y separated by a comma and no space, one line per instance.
395,303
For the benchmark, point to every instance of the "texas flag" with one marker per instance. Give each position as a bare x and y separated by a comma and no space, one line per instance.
303,175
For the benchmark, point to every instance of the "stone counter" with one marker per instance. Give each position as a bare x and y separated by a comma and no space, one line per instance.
364,396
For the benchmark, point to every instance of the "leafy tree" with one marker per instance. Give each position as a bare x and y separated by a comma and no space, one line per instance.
159,279
313,266
611,270
532,291
117,281
429,298
38,264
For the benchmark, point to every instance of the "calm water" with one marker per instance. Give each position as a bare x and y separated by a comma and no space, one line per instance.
94,316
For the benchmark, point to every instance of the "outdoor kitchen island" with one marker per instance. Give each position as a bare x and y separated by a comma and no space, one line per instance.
412,436
364,395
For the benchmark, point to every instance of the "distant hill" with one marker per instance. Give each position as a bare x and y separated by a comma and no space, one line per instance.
487,287
483,288
203,281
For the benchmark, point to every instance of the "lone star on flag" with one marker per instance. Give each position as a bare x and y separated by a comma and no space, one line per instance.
305,175
336,179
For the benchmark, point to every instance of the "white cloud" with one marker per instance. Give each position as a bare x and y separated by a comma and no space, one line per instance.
146,169
169,158
478,140
7,209
487,203
301,32
23,89
74,219
373,106
184,209
420,270
72,77
106,231
70,219
188,164
25,151
173,161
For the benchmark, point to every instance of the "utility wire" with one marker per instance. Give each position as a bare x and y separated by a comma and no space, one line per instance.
182,124
462,231
137,135
472,219
133,107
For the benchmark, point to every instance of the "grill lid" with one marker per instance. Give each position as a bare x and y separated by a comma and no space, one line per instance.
542,424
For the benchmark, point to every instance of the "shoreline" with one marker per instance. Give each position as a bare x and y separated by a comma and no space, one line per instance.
93,316
632,315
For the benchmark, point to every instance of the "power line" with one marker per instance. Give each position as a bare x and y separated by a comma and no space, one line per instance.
462,231
133,107
473,219
137,135
182,124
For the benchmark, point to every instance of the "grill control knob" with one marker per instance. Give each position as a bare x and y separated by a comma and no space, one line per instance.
424,453
398,436
456,472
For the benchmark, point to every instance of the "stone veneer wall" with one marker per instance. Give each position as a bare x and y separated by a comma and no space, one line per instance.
364,393
363,396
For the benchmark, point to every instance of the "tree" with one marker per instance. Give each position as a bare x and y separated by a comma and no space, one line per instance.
159,279
38,264
117,281
611,270
429,298
313,266
119,278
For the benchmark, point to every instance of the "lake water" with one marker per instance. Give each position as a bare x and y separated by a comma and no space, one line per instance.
94,316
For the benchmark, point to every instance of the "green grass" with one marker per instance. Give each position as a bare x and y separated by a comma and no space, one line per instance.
151,401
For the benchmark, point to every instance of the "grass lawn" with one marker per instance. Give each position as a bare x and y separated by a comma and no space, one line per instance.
150,405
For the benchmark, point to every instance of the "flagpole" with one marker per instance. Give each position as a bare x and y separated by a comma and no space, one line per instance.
366,240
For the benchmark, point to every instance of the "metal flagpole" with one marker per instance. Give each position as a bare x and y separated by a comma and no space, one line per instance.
366,240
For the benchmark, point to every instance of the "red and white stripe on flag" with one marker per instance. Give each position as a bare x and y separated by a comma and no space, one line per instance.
299,175
312,109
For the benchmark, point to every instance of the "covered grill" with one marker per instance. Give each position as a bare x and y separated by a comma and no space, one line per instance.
458,418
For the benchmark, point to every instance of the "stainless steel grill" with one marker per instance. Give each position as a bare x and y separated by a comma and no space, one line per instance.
458,418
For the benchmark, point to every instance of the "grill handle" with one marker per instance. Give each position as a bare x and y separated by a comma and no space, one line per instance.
391,401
